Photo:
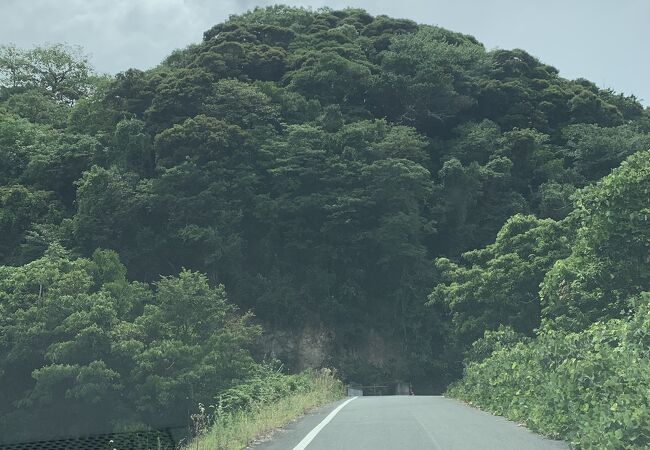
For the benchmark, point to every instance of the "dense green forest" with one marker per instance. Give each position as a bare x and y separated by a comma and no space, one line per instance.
427,203
585,375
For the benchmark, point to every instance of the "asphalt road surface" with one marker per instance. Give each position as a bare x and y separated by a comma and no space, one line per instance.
404,423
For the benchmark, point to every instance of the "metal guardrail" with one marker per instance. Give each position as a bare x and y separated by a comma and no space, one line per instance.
396,388
355,392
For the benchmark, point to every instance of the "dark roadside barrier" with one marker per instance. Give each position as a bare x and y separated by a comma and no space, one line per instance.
379,389
164,439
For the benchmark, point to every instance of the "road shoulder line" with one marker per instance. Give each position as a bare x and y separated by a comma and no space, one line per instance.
312,434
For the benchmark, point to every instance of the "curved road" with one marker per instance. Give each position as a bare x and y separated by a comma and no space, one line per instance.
405,423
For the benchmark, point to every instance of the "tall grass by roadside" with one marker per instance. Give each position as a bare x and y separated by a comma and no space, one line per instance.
260,406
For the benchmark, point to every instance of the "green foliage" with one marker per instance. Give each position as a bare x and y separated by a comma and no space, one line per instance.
609,259
498,285
110,205
331,78
267,386
81,348
22,209
428,77
589,387
267,402
200,139
315,163
58,70
503,337
17,136
597,150
584,376
38,108
240,103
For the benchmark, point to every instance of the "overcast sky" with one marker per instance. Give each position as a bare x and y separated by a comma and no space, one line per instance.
605,41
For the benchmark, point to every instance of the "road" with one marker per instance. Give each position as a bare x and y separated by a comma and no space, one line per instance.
405,423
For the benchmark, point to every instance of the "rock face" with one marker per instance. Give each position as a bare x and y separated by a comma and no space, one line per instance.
309,347
379,351
372,357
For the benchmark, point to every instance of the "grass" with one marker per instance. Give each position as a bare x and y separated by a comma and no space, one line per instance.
235,431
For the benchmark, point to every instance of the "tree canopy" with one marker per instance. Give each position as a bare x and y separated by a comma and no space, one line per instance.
395,184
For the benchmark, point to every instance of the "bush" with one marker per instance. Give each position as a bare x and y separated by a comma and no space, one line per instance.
492,340
265,387
590,387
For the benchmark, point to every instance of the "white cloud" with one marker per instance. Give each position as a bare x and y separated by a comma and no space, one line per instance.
117,33
605,44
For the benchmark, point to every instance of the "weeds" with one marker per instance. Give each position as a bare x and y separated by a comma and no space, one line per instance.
255,409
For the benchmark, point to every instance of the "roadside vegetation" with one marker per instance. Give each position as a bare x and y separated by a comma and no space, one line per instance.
435,208
585,374
91,349
256,409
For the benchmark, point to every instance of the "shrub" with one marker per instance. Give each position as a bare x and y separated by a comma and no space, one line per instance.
591,387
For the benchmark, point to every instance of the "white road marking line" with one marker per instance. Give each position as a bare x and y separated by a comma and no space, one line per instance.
312,434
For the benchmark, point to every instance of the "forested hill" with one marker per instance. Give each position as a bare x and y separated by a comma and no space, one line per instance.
314,163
